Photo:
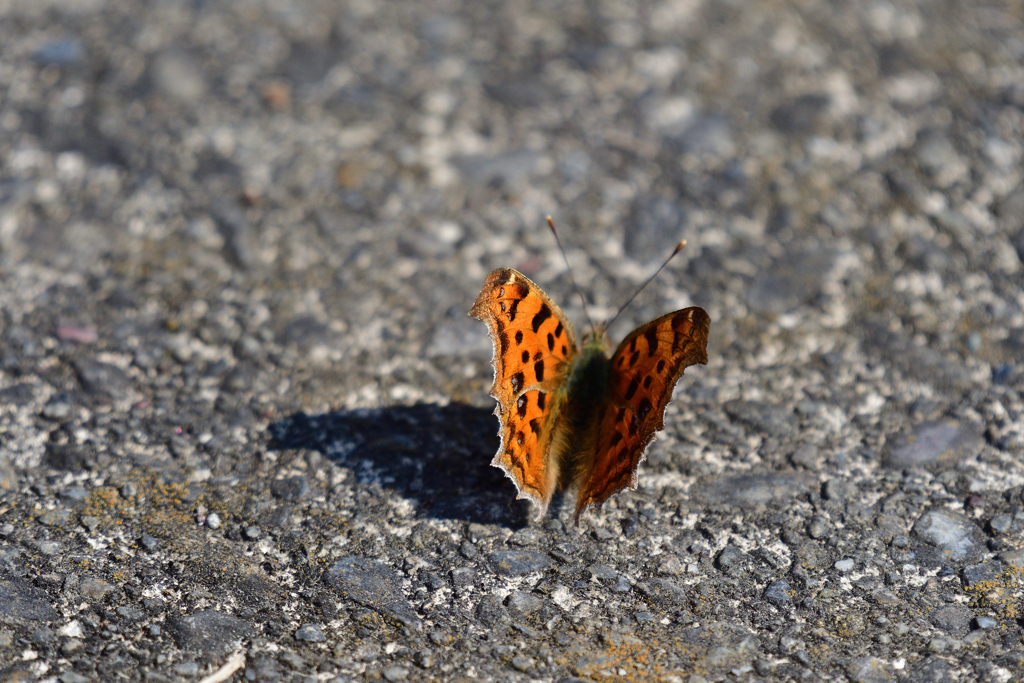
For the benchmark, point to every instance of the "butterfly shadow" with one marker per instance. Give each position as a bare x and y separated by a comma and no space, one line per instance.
436,456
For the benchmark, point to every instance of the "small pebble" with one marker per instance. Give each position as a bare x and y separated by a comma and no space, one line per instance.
521,663
310,633
844,565
251,532
818,527
395,673
985,623
1000,524
73,677
213,520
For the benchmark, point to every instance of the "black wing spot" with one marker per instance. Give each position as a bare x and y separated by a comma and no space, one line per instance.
538,369
519,438
558,330
565,351
632,345
622,360
616,438
652,340
519,337
517,382
551,342
541,400
535,425
644,408
647,382
502,304
661,366
526,356
543,314
521,406
634,358
512,309
622,455
538,355
631,389
503,343
634,425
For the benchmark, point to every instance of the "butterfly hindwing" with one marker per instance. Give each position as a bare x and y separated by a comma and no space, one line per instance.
533,345
643,372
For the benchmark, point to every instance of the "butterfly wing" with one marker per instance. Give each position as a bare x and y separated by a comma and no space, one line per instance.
644,371
533,346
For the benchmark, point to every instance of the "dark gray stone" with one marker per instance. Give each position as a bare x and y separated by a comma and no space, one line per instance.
953,619
103,379
985,623
761,417
934,445
1000,524
508,171
518,562
374,585
130,613
17,394
491,611
603,572
869,670
67,457
20,600
931,670
662,591
754,491
148,542
92,588
463,576
209,632
525,537
732,560
801,116
240,241
779,593
42,636
310,633
73,677
945,537
521,603
290,489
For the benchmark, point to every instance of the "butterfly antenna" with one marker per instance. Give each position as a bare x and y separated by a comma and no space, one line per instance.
679,247
551,224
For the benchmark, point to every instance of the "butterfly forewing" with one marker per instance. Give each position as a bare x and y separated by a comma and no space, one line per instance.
533,344
643,372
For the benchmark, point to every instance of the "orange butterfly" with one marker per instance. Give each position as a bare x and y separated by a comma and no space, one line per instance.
573,418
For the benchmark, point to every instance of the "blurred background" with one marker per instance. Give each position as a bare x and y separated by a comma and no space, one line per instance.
344,174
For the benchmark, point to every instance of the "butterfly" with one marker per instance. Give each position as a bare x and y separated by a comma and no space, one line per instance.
573,417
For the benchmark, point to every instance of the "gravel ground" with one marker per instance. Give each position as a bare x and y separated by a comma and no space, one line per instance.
244,423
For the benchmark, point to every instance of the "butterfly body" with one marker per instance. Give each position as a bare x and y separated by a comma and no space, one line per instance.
578,418
584,395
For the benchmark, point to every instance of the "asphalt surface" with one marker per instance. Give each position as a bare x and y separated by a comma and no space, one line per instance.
244,423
